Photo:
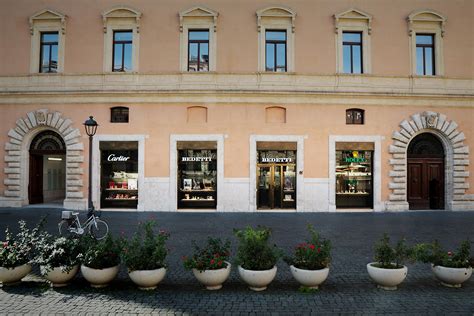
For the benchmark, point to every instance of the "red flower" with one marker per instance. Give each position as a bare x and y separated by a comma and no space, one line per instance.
311,246
450,253
5,244
219,263
216,255
319,249
212,261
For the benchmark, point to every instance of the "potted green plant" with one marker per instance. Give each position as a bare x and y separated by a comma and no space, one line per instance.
59,259
451,268
145,254
101,261
18,251
309,264
388,270
256,258
210,263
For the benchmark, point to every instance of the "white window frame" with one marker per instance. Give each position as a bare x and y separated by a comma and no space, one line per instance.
427,22
118,19
276,18
47,21
353,20
197,18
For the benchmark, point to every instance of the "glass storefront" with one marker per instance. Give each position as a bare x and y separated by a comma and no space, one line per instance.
119,174
354,179
197,178
276,179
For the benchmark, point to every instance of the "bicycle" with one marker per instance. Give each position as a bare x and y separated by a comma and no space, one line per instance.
70,224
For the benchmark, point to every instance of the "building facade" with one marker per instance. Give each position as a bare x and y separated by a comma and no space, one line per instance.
245,106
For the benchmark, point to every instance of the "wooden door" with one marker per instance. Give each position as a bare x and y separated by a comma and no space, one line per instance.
35,192
425,183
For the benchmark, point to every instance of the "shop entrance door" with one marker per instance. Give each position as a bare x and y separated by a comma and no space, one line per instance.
276,187
36,179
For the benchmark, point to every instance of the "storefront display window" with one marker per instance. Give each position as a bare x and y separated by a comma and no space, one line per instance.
197,178
354,179
119,174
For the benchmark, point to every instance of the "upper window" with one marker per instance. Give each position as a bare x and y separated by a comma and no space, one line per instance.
119,114
122,51
276,27
352,52
353,32
48,32
425,61
198,36
426,29
49,52
354,116
198,50
122,39
275,46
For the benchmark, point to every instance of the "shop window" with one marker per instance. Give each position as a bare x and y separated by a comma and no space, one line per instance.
119,174
122,39
48,38
197,114
275,114
198,36
197,175
353,33
276,27
119,114
354,116
426,29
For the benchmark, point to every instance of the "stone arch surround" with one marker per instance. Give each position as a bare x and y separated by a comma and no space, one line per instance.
456,160
17,158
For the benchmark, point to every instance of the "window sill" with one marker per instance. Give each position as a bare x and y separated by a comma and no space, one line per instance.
427,76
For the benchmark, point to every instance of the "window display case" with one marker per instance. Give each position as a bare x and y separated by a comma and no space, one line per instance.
119,175
197,178
354,179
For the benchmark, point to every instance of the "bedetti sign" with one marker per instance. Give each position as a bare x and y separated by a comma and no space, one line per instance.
196,159
277,160
112,157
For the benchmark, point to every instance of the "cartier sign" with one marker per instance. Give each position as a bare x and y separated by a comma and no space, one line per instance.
112,157
195,159
277,160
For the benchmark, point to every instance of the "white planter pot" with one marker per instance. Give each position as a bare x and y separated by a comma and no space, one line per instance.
387,279
213,279
257,280
14,275
309,278
147,279
99,277
452,277
58,278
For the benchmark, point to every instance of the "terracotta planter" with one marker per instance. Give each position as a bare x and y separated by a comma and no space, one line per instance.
58,278
387,279
99,277
213,279
147,279
257,280
451,277
310,278
14,275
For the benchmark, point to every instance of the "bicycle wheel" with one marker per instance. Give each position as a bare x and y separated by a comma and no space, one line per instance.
100,231
65,228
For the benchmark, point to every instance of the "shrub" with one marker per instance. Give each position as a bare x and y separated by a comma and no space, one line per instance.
314,254
212,256
254,251
147,249
435,254
56,252
19,249
388,257
100,254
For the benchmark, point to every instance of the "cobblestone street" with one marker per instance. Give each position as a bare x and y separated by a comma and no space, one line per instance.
348,289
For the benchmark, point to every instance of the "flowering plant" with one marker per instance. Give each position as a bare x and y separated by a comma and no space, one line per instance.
100,254
254,251
314,254
435,254
388,257
19,249
211,257
54,252
146,250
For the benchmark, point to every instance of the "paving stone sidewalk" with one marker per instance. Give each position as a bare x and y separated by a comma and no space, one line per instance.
348,289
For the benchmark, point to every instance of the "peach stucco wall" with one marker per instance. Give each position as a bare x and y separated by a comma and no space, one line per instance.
239,121
237,34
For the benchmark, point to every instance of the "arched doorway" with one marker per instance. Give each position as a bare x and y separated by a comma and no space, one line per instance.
425,163
47,180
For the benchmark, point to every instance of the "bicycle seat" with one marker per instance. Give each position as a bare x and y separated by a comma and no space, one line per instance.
75,213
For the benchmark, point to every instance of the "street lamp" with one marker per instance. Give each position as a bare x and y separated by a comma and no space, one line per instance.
91,128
